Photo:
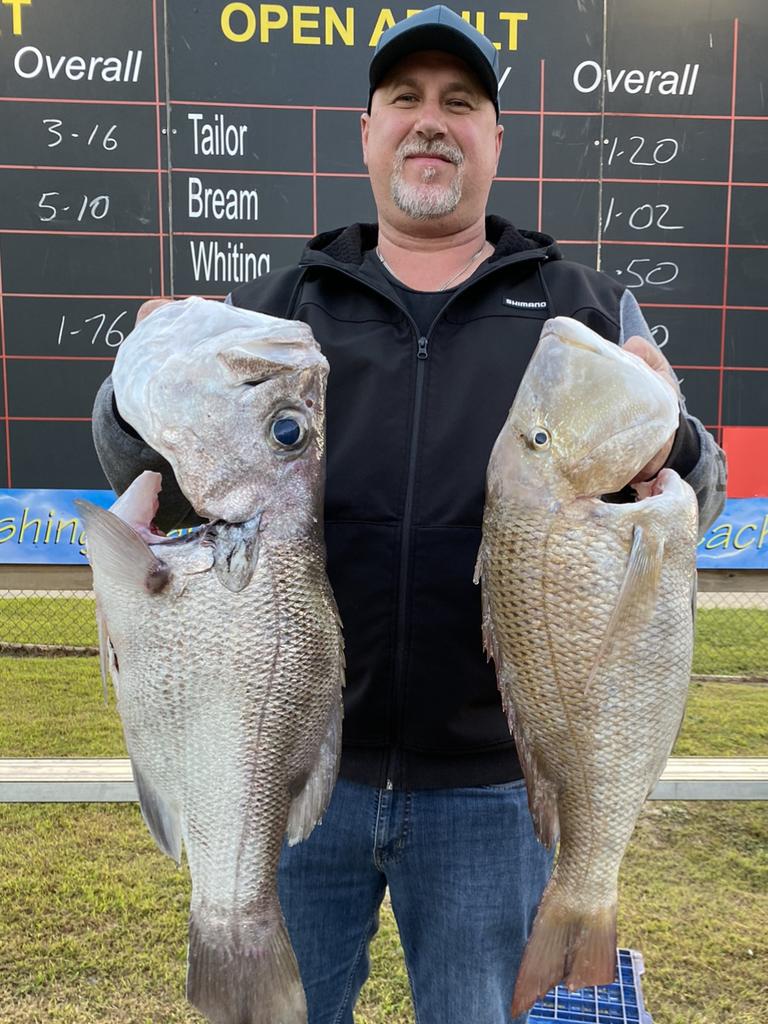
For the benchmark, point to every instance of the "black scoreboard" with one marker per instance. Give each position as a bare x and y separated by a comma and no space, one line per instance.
180,148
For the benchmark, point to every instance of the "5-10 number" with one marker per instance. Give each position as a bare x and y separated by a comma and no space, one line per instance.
98,207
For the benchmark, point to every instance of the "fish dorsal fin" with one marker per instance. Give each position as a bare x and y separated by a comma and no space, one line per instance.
637,595
116,551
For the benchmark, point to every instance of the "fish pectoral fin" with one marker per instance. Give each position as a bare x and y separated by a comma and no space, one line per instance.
103,633
162,820
117,553
236,552
637,594
309,804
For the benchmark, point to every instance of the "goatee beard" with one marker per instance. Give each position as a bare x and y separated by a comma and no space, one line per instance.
425,201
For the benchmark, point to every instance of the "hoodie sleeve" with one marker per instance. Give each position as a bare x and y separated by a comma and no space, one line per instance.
695,455
123,455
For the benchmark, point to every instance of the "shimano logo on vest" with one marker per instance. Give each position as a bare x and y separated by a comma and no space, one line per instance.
522,304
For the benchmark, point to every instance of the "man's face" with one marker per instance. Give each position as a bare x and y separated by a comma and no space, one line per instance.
431,142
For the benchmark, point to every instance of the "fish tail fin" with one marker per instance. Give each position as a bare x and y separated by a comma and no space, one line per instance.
235,981
566,946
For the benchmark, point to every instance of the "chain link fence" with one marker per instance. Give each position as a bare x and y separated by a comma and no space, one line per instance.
731,628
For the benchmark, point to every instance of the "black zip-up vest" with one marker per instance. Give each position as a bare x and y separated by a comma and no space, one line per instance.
411,420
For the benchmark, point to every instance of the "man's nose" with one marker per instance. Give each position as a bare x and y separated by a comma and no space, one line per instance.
430,122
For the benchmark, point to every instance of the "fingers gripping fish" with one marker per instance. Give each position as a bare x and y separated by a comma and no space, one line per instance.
587,614
225,645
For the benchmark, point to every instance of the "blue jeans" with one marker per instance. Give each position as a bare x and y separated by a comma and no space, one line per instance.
465,874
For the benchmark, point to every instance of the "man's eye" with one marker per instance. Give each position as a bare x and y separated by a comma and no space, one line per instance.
458,104
406,97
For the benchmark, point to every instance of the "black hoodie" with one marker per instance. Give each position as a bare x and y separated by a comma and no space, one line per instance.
411,421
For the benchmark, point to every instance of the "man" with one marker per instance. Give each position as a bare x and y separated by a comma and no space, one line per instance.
428,319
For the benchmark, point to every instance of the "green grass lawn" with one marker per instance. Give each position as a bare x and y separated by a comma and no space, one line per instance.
48,620
93,916
731,642
93,919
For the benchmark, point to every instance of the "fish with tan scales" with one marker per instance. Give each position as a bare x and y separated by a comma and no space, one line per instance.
224,645
588,615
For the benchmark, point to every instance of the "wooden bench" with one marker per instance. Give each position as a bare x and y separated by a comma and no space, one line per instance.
101,780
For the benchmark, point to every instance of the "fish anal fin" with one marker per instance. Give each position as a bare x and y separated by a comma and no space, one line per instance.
636,599
542,796
162,820
575,949
234,981
308,806
116,552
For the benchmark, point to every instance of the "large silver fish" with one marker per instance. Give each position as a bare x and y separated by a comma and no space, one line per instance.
587,610
224,646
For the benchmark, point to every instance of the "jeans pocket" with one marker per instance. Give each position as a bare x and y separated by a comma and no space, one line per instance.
502,787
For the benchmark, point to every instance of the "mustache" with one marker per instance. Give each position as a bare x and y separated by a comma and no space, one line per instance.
429,147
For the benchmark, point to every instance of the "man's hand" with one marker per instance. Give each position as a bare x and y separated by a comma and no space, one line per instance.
149,307
653,356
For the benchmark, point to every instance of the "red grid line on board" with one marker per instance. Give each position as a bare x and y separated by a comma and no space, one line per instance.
314,171
104,103
362,174
727,227
79,359
254,234
360,109
159,150
5,383
502,111
711,368
541,148
50,419
70,233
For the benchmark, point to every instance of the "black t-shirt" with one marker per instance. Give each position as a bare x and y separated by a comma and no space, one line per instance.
422,306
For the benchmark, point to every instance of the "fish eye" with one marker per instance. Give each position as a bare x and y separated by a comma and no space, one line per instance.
540,438
287,431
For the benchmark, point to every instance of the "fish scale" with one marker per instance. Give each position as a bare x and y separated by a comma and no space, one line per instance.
587,614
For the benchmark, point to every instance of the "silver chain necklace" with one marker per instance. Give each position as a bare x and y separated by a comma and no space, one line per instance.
450,280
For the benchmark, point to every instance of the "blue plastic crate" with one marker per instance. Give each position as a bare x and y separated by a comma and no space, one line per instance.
619,1003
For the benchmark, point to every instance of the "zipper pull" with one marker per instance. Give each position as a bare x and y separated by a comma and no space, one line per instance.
389,785
422,353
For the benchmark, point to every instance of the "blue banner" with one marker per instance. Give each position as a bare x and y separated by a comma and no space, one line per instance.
738,539
42,527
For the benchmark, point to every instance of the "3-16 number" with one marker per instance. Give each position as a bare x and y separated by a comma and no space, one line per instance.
106,141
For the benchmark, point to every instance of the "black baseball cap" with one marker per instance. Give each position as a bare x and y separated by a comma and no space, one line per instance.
437,28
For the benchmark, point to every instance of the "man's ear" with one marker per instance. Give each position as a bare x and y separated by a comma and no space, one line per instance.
499,141
364,119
